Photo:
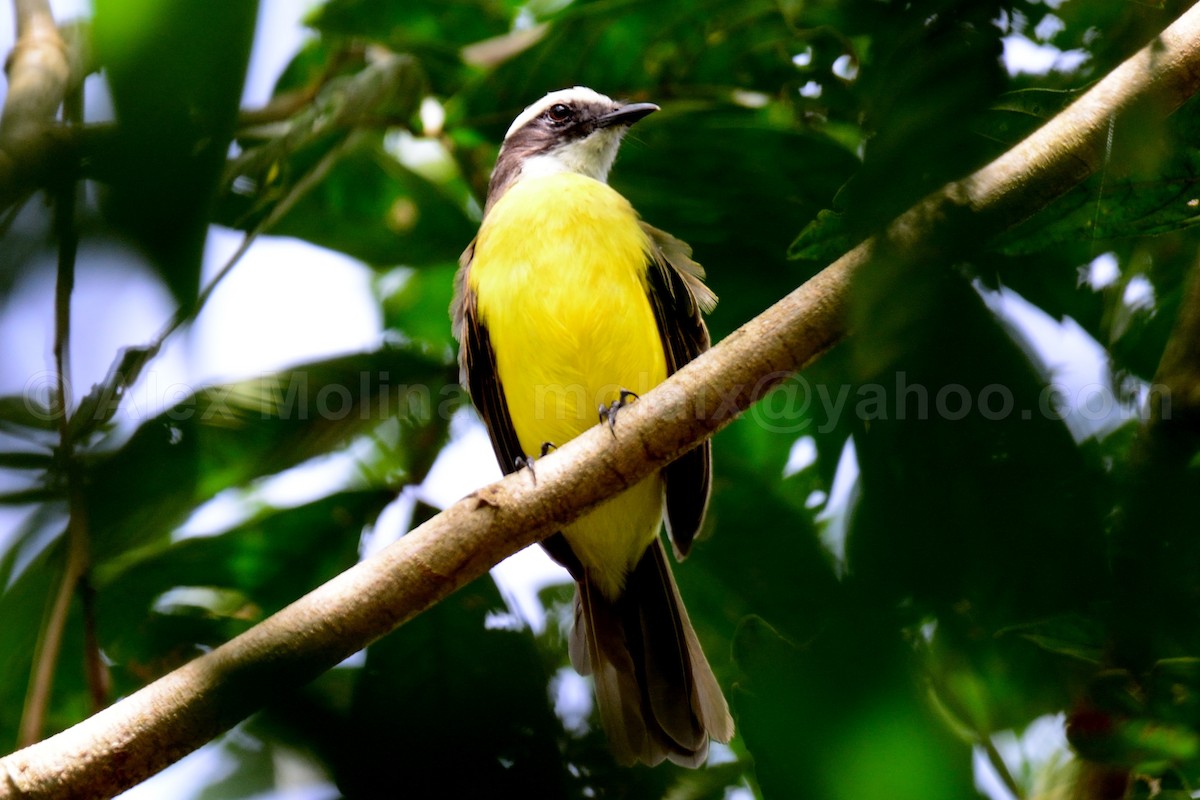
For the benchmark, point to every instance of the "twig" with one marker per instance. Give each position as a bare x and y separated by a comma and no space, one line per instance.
280,108
132,739
78,533
302,187
343,103
98,678
37,101
1001,768
49,645
41,683
288,104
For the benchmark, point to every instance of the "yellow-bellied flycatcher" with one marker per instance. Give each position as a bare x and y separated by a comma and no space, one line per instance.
567,301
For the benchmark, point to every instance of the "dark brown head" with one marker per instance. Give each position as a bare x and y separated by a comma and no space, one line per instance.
571,130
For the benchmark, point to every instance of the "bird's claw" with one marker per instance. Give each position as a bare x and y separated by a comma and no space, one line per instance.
609,412
525,462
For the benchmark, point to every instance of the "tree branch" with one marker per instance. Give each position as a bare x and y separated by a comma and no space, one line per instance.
39,74
157,725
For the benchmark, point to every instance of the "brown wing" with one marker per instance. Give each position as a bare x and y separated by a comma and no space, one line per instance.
478,375
679,296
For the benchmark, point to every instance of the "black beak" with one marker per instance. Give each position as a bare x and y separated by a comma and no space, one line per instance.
626,115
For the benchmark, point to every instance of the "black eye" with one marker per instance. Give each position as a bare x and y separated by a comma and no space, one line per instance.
559,113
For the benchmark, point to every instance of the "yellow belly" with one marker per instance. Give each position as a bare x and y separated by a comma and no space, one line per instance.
559,275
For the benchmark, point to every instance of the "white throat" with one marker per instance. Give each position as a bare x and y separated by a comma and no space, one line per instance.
593,157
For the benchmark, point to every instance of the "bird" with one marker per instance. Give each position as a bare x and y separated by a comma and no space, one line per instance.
567,306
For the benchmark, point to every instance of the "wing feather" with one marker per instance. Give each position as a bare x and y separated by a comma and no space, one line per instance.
478,375
679,298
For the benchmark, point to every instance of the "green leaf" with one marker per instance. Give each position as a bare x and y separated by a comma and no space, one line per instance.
415,303
225,436
1174,690
44,525
24,602
989,683
25,461
434,32
36,494
1145,745
368,206
972,492
1015,115
621,47
28,416
1071,635
677,173
461,22
176,98
310,65
810,713
197,593
824,239
1146,186
472,734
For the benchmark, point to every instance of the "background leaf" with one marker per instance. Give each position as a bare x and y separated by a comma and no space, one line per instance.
176,99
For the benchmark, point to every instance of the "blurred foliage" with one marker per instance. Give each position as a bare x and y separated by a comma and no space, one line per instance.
995,551
175,95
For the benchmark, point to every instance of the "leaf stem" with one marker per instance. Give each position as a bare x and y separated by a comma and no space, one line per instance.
75,572
1001,768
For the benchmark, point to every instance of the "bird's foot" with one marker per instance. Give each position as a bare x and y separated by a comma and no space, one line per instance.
609,412
524,462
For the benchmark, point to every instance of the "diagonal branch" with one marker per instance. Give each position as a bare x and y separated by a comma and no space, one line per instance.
159,724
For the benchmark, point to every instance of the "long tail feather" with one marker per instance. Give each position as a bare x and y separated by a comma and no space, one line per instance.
657,695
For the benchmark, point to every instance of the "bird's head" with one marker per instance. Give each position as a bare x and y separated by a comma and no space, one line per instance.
572,130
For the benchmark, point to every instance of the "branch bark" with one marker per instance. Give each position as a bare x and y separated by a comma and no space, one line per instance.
38,72
150,729
41,68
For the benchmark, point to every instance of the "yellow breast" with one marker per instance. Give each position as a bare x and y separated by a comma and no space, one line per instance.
559,275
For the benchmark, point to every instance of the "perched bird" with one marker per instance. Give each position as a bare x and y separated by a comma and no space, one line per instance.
567,302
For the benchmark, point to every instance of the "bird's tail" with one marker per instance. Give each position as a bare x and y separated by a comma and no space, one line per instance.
657,695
